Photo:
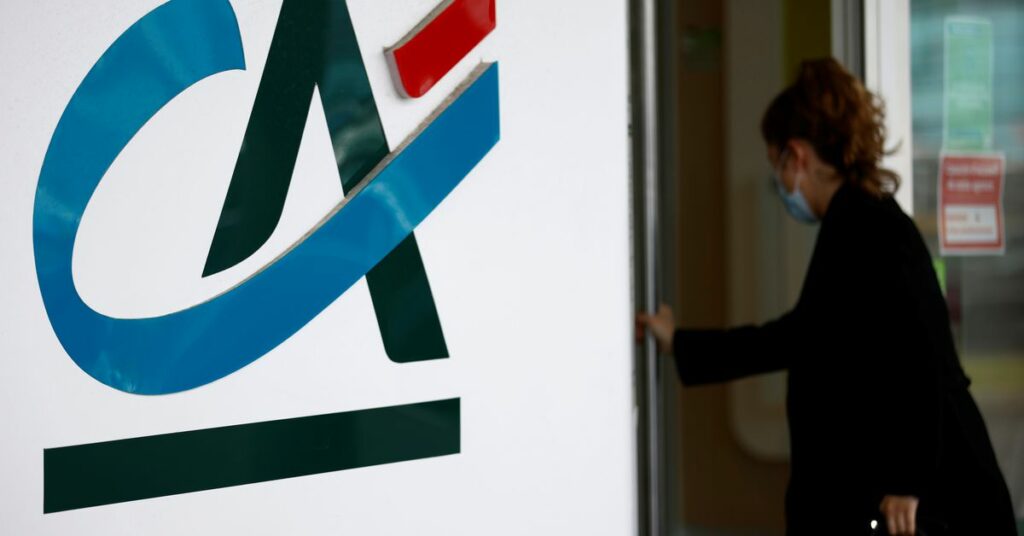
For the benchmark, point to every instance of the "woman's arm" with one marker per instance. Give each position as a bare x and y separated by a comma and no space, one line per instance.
906,401
712,356
709,356
896,357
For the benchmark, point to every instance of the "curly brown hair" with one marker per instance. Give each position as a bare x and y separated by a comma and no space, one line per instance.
844,122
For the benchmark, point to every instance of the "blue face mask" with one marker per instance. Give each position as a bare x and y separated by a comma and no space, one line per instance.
795,202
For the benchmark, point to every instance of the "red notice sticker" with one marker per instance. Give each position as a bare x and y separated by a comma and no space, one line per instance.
971,204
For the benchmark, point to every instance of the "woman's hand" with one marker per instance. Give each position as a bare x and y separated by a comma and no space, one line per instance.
662,326
900,514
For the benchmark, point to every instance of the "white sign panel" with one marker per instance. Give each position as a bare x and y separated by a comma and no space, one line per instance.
315,267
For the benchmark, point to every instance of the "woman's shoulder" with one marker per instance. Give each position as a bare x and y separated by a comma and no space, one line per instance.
877,219
865,228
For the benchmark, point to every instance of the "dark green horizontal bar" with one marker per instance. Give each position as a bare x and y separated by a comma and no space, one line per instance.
156,466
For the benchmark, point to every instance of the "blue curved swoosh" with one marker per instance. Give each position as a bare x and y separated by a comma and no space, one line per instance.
163,54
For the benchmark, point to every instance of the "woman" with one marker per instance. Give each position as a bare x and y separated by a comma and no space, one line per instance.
882,425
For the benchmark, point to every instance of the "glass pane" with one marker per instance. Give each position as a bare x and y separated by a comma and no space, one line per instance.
967,76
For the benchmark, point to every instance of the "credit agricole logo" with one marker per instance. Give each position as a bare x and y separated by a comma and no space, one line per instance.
371,234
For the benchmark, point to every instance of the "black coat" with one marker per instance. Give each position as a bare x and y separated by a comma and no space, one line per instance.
877,401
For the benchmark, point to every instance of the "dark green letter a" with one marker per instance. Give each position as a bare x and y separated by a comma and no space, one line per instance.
314,45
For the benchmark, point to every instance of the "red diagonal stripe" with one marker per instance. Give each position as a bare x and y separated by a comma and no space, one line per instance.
431,49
